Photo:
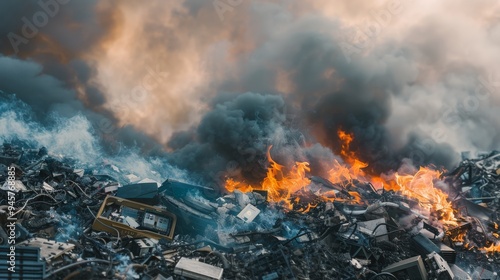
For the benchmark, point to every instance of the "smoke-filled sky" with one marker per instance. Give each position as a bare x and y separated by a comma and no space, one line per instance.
214,83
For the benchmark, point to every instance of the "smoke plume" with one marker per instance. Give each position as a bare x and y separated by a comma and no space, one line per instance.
214,83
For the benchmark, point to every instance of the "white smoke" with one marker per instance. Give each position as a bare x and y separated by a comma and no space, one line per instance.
75,138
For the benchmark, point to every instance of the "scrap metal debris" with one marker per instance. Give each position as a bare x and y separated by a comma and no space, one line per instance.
77,223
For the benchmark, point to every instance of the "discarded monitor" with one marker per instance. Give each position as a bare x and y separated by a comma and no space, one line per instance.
134,219
193,269
438,267
412,268
447,253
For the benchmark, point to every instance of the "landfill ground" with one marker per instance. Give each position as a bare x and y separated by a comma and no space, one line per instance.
249,140
104,223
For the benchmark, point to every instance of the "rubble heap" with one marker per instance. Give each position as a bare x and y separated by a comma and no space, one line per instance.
86,223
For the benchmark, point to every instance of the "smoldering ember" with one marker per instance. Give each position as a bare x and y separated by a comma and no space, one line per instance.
250,139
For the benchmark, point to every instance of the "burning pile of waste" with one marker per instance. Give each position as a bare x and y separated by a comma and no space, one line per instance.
267,139
105,223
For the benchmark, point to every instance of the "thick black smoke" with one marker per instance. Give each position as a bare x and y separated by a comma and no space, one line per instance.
331,90
293,82
232,140
233,137
44,49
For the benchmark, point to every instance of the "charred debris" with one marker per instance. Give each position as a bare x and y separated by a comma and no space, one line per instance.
87,224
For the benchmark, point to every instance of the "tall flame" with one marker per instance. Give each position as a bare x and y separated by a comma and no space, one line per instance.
345,146
341,173
421,187
280,185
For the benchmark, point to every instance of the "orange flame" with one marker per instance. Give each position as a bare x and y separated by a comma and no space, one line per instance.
281,184
492,248
460,237
341,173
346,139
232,185
421,187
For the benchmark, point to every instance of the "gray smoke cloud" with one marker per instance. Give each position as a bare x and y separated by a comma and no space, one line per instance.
325,93
403,95
220,81
46,60
74,138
